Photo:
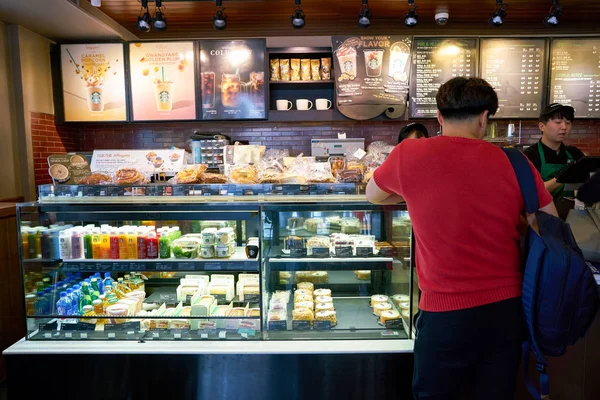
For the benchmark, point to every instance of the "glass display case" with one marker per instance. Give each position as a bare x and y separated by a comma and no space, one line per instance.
336,272
139,272
201,262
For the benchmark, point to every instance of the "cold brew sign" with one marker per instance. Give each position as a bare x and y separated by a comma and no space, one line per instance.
371,70
232,79
163,85
93,80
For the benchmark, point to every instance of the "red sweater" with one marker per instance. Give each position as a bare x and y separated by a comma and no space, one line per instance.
465,203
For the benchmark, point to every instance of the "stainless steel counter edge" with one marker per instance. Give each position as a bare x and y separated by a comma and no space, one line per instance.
28,347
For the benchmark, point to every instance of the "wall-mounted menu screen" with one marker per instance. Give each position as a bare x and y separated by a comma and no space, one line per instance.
232,79
163,85
435,61
93,82
575,75
516,68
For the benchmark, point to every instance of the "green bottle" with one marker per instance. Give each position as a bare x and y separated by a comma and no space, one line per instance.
95,287
164,246
87,244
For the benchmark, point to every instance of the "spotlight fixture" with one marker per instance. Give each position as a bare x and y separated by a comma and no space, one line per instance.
160,21
497,19
364,17
553,15
298,18
144,20
411,18
220,19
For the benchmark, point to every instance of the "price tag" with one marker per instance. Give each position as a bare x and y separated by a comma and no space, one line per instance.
111,335
322,325
155,334
278,325
298,252
177,335
252,298
204,336
47,335
392,324
246,332
223,335
364,251
220,298
68,335
84,335
130,333
320,252
301,325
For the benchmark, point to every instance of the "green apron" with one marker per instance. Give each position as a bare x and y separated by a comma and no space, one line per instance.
549,171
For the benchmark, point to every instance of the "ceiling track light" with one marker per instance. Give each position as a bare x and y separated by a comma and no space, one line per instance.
497,19
364,17
298,17
411,19
144,20
554,14
220,19
160,21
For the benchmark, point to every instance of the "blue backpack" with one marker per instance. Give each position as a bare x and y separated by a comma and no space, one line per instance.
560,298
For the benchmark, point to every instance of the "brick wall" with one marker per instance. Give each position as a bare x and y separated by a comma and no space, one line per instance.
296,137
49,139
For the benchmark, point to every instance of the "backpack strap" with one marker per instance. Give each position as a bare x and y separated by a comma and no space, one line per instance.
525,178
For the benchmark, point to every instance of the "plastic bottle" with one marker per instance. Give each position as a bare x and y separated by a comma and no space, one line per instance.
108,280
70,302
142,251
48,303
100,282
75,299
164,245
105,243
87,243
152,245
40,306
25,243
132,251
96,244
114,244
62,305
94,286
122,234
77,244
46,244
64,240
38,242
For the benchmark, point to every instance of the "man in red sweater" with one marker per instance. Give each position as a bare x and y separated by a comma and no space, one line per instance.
465,204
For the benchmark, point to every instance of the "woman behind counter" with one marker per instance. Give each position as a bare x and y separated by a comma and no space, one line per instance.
413,131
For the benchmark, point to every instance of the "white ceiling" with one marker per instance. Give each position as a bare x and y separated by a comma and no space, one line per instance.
62,19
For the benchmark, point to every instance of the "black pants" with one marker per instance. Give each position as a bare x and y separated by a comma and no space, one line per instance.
477,349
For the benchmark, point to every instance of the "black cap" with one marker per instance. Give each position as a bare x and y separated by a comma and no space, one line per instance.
551,109
410,128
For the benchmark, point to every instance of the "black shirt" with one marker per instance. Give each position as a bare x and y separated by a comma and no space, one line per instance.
552,157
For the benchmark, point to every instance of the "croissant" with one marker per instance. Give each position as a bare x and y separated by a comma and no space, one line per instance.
129,176
96,178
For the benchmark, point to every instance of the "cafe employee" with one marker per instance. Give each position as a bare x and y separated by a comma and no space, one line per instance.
413,131
550,155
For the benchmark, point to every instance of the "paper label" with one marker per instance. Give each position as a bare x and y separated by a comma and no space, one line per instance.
149,161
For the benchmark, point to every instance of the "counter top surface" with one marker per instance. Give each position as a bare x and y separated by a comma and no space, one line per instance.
28,347
7,210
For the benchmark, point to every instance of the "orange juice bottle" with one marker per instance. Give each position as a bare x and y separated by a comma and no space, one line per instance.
132,252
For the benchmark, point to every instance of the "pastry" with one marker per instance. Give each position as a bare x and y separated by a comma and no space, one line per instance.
378,298
323,299
254,312
303,297
379,307
243,175
271,175
303,314
97,178
327,316
363,275
322,292
324,307
306,286
349,176
276,315
303,292
333,222
405,314
304,304
173,157
294,242
190,175
314,224
237,312
388,315
318,242
320,277
283,295
285,275
295,222
157,162
251,290
400,298
129,176
150,156
404,306
209,177
350,226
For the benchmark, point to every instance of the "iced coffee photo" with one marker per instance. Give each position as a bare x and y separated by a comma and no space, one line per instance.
373,61
399,55
207,85
257,83
94,75
231,88
347,59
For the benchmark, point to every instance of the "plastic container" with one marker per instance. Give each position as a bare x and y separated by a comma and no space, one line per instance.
63,306
152,245
207,251
225,250
117,310
114,244
186,247
209,236
225,236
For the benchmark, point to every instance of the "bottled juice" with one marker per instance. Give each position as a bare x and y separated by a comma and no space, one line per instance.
164,245
152,245
25,243
96,244
38,243
64,239
122,235
122,286
87,243
142,251
105,243
114,244
77,244
132,252
98,306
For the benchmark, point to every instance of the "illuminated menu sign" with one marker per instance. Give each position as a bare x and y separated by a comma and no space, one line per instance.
575,75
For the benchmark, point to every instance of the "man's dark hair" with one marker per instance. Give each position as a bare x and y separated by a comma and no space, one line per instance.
463,98
560,114
408,130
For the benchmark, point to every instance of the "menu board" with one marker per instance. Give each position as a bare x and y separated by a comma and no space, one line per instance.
575,75
93,82
436,61
371,70
232,79
516,68
163,85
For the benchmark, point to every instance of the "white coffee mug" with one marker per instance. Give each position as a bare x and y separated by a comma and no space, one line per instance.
284,105
323,104
302,104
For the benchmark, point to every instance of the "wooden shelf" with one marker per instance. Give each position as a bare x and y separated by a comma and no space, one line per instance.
309,115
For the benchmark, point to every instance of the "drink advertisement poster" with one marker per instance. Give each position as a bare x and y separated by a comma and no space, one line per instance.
163,85
93,82
232,79
371,70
